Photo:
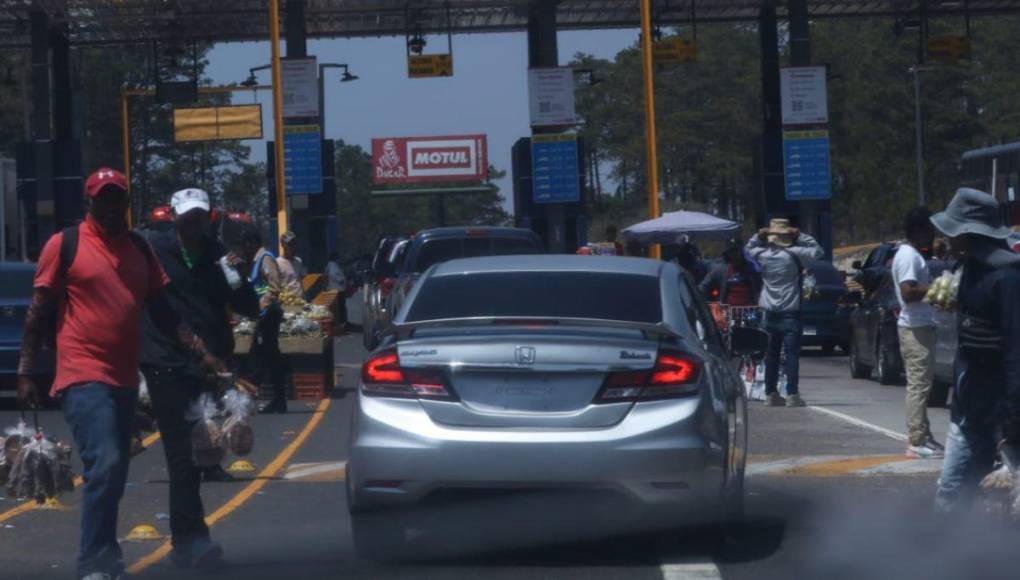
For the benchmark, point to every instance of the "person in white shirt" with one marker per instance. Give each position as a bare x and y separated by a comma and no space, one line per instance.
916,329
292,269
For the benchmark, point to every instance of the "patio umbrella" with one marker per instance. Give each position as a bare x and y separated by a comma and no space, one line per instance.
700,227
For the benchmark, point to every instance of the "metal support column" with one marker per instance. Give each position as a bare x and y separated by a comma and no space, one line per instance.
814,215
39,196
63,102
543,51
772,176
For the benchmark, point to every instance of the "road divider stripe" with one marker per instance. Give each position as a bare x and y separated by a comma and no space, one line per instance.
31,505
270,471
316,472
861,423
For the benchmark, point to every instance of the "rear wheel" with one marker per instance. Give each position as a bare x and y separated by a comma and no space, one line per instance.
888,372
858,370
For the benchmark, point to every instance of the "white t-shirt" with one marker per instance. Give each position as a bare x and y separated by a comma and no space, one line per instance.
909,266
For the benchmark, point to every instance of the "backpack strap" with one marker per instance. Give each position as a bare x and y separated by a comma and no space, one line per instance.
68,249
800,274
143,246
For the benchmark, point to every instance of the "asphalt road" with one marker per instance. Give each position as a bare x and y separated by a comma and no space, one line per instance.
830,496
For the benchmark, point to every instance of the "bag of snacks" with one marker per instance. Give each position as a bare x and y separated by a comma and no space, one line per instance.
205,435
238,437
42,468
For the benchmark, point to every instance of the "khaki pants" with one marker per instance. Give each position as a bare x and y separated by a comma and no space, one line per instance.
917,347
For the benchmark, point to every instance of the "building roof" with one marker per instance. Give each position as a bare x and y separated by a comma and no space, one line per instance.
106,22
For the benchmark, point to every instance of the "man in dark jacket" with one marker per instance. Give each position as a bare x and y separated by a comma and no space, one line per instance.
986,398
199,293
735,280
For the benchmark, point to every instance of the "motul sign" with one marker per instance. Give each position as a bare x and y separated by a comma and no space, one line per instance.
407,160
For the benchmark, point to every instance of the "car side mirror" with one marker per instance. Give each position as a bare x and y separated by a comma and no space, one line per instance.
747,341
857,265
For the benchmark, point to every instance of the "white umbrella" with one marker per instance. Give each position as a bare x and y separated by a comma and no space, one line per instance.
666,229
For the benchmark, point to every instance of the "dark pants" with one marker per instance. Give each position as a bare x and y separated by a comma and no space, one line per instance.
265,353
173,392
784,330
101,417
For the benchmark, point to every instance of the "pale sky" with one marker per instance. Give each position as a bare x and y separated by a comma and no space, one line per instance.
488,93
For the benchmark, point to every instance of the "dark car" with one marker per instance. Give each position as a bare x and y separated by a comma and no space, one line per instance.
875,344
15,296
431,247
825,317
378,283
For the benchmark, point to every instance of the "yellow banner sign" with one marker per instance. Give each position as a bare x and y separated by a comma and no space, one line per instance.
674,51
422,66
218,123
948,48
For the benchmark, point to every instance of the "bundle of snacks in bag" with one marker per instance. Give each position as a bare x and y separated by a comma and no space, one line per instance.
42,470
944,292
10,447
205,435
238,437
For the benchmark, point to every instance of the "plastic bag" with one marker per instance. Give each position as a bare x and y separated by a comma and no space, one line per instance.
205,435
5,467
238,437
810,289
944,292
42,470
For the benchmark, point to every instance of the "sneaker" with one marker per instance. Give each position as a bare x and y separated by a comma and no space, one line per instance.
931,442
774,400
925,451
795,401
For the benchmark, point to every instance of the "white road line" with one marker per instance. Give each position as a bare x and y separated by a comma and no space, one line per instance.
690,570
861,423
304,470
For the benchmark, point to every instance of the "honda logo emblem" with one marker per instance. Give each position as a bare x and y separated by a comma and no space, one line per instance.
525,355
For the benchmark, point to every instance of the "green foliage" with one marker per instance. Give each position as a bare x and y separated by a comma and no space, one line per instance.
709,121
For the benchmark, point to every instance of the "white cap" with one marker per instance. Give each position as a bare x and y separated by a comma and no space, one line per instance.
186,200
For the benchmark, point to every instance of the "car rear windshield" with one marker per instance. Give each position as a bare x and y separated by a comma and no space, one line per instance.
16,283
601,296
443,250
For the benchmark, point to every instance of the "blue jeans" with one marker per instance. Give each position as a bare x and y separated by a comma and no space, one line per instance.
101,418
784,329
970,453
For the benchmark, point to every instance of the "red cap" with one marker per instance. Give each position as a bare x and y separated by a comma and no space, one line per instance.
103,177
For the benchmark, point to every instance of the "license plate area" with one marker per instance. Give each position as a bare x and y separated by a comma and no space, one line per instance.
527,392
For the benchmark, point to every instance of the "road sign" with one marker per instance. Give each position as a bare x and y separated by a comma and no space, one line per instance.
424,66
675,50
551,96
300,87
804,97
302,154
806,164
948,48
554,169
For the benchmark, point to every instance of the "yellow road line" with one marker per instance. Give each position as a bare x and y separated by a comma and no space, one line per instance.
30,505
842,467
248,492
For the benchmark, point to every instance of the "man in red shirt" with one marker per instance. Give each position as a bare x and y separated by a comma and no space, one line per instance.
91,293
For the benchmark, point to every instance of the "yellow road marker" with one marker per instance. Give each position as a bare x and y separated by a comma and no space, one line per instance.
248,492
143,533
241,466
31,505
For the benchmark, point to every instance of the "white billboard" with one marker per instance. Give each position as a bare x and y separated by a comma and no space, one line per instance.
300,87
804,97
551,96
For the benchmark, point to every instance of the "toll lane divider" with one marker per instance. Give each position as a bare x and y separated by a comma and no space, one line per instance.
31,505
242,497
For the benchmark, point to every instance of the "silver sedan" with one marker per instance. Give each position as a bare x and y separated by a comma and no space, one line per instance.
553,372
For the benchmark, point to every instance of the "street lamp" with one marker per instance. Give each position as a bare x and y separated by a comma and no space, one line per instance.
345,78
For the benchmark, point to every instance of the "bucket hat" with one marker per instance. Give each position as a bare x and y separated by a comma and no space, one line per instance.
971,212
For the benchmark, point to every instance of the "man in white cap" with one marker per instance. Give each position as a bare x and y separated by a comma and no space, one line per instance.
780,251
199,293
986,389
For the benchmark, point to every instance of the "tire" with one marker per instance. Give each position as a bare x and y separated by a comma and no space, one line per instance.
888,373
858,370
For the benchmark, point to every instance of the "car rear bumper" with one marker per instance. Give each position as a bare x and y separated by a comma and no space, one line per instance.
656,457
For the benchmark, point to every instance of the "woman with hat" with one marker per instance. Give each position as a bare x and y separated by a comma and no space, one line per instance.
986,389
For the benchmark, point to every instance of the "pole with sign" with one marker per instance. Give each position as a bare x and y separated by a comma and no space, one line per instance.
423,66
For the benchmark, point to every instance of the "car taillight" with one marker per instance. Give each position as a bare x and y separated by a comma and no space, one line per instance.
387,285
674,375
382,376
